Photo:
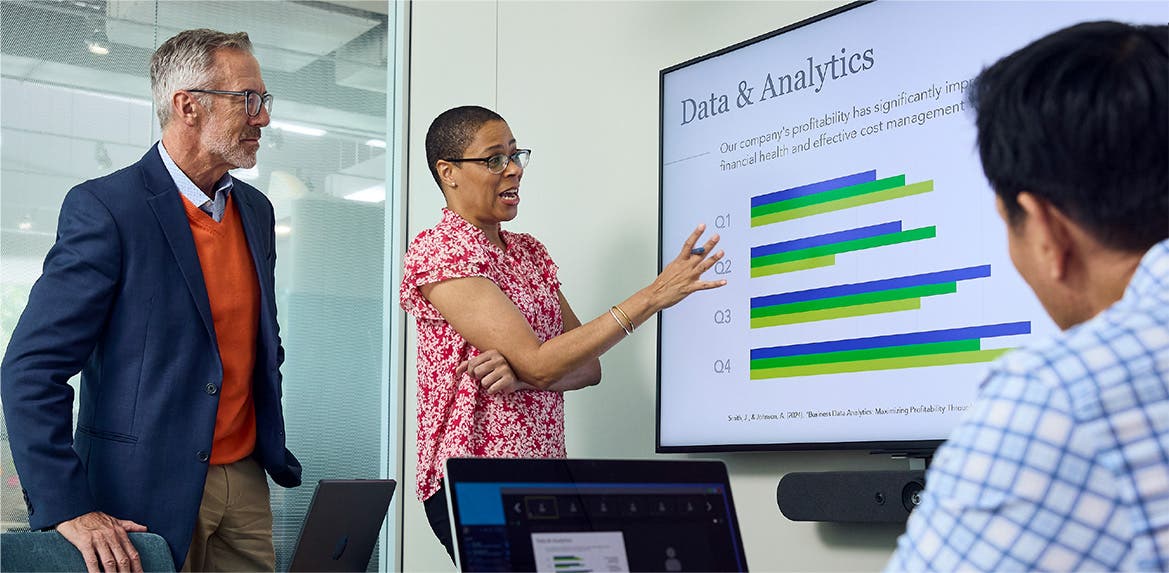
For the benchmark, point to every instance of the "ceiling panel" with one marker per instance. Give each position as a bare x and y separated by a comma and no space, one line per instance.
131,21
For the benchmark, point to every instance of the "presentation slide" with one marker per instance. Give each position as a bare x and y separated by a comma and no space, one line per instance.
579,552
869,283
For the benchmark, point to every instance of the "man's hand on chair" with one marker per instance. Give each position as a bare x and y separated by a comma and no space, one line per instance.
104,542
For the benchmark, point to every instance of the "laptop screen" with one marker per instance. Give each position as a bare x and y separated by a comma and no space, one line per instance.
593,515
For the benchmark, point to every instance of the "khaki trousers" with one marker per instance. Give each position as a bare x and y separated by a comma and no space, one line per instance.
234,529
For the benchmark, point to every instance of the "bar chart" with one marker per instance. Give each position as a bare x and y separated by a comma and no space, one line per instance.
821,250
831,195
839,301
857,299
889,352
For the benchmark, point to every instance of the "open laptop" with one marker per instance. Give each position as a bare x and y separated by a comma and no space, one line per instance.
572,516
342,524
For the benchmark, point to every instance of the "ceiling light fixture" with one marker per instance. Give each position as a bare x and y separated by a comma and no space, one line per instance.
97,43
249,174
301,129
375,194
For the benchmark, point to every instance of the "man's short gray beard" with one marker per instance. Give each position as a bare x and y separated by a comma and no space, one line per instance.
235,155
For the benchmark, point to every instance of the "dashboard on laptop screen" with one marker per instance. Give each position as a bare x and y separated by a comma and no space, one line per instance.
595,526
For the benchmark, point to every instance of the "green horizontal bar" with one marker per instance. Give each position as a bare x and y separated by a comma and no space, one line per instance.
829,196
833,313
847,246
565,558
856,299
889,194
868,354
881,364
793,266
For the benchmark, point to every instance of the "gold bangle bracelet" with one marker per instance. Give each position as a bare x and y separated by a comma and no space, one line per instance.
627,331
632,326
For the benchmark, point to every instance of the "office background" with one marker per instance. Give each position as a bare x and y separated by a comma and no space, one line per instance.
354,81
76,105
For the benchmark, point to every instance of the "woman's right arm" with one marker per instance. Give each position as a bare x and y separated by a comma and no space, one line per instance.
486,318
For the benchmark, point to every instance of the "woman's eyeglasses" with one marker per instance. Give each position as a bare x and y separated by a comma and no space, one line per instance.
498,162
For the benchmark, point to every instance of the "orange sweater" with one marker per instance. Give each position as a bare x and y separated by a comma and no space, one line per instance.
234,293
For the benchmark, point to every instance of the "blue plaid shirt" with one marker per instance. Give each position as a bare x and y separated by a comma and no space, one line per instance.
1062,464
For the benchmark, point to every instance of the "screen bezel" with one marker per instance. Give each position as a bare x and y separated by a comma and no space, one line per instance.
908,447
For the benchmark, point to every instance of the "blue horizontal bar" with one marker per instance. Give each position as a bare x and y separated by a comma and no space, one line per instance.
814,188
827,239
872,286
948,335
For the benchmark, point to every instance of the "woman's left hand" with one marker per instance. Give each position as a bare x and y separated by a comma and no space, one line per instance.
493,372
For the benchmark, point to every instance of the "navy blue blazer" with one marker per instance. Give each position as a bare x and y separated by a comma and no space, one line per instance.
122,300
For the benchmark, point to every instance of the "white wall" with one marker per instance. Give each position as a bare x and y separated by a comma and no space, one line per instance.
578,83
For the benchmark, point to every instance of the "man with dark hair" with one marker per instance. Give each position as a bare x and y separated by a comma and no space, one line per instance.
159,290
1062,463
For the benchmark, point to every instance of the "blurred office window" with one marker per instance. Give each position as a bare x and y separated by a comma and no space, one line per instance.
75,104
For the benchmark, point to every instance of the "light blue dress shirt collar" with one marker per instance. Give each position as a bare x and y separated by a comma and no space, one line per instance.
215,206
1152,275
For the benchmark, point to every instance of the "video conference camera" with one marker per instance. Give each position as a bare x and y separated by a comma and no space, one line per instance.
850,496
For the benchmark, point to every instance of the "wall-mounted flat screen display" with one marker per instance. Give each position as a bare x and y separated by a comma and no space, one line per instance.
869,285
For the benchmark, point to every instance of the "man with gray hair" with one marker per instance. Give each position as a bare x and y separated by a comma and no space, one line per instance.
160,291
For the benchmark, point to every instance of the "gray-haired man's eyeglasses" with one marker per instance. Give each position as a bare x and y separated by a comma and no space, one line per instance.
252,100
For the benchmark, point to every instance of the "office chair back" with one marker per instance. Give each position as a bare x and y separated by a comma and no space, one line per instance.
37,551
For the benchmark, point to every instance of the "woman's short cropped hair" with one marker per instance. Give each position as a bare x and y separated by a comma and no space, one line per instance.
452,132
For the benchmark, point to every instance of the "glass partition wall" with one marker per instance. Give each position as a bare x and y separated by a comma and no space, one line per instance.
75,104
